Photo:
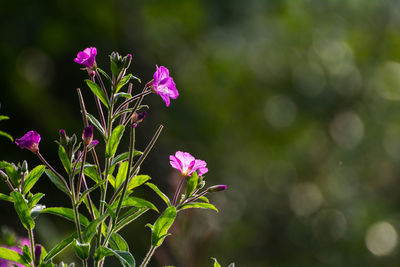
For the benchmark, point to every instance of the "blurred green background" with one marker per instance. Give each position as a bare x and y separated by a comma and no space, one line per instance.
295,105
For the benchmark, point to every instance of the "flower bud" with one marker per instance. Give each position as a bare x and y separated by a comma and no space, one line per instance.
93,144
87,135
38,253
138,118
63,137
126,61
216,188
24,168
3,176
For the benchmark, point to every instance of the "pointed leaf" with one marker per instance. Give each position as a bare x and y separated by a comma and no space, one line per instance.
199,205
60,247
138,181
125,257
34,199
128,217
113,141
121,175
216,264
162,225
32,178
98,92
91,172
104,74
57,182
21,207
124,156
137,202
11,255
6,198
64,159
118,243
124,81
3,117
161,194
66,213
191,184
6,135
90,231
96,124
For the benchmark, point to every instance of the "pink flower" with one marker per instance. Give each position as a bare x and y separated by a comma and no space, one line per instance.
164,85
87,57
29,141
187,164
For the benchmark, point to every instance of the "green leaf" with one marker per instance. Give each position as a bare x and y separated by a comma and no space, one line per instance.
66,213
64,159
138,181
125,257
161,194
32,178
137,202
6,198
6,135
124,156
191,184
111,180
96,124
21,207
11,255
204,199
90,231
32,201
98,92
81,250
92,173
216,264
4,164
113,141
121,175
199,205
96,212
124,81
57,182
128,217
110,210
104,74
118,243
162,225
3,117
60,247
26,253
119,95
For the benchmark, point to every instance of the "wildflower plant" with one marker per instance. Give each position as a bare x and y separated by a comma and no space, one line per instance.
114,172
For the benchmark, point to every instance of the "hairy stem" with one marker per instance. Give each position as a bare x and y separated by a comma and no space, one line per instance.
32,242
148,256
178,190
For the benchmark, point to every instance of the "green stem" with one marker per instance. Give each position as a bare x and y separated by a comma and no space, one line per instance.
140,160
178,190
30,232
148,256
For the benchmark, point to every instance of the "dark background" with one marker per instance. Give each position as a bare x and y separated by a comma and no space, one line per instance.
293,104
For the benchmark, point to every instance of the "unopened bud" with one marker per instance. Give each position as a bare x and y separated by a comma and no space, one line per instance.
24,167
87,135
138,118
217,188
126,61
93,144
38,253
63,137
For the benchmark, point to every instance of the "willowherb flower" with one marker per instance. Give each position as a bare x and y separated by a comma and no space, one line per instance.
93,144
29,141
187,164
87,135
164,85
87,57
